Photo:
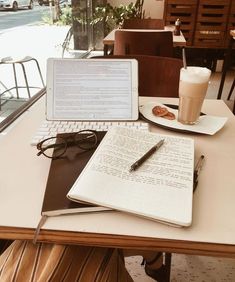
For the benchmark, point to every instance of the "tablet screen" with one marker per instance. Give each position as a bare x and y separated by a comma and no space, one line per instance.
92,89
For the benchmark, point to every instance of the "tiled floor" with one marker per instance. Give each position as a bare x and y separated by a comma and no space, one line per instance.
185,268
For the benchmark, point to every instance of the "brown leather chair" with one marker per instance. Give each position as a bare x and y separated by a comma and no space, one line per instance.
143,24
158,76
151,43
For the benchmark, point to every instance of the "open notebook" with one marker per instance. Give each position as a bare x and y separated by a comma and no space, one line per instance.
160,189
89,93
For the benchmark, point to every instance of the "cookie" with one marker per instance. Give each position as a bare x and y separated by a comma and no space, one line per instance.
159,111
169,116
163,112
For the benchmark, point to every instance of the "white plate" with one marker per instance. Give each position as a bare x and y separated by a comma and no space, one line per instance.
206,124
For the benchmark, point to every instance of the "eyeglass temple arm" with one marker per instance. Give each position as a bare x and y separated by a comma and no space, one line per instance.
48,147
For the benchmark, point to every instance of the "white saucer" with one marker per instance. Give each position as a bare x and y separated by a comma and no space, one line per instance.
206,124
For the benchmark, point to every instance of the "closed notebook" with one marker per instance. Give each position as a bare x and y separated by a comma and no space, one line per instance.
62,175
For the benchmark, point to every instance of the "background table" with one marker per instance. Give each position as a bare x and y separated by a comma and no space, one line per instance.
178,40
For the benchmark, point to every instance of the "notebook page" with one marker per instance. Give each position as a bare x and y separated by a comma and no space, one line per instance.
160,189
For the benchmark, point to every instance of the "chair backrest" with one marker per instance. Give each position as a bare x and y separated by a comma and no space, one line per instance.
151,43
143,24
158,76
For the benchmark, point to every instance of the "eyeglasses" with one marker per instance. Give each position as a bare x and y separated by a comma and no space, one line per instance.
56,147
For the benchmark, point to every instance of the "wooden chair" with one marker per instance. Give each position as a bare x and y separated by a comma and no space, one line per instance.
158,76
151,43
143,24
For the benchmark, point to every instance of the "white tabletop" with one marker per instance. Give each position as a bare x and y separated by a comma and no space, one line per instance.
178,40
23,178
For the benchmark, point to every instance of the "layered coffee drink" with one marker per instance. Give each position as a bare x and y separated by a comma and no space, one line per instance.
192,91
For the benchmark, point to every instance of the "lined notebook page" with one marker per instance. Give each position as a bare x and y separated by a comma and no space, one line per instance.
161,188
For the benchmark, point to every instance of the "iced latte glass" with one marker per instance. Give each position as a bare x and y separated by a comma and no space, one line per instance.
192,91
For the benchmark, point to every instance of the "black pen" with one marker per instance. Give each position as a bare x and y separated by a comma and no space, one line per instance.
146,155
197,170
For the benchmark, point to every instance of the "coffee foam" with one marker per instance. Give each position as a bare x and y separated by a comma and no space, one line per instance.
195,74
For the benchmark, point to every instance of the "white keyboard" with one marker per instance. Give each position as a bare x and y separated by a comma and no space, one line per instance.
51,128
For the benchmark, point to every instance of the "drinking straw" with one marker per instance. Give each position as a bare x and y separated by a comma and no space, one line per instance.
184,58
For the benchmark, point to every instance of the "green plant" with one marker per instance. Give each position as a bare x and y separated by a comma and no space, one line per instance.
65,17
113,17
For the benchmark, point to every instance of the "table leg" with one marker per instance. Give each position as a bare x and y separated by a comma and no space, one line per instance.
106,47
231,90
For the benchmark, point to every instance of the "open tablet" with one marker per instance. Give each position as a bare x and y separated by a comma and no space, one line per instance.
92,89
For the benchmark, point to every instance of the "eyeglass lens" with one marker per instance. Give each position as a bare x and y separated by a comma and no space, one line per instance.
86,139
54,147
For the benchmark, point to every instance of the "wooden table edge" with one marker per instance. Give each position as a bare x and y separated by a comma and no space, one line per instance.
120,241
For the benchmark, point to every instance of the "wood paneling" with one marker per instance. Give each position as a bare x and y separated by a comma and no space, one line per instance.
186,12
205,23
